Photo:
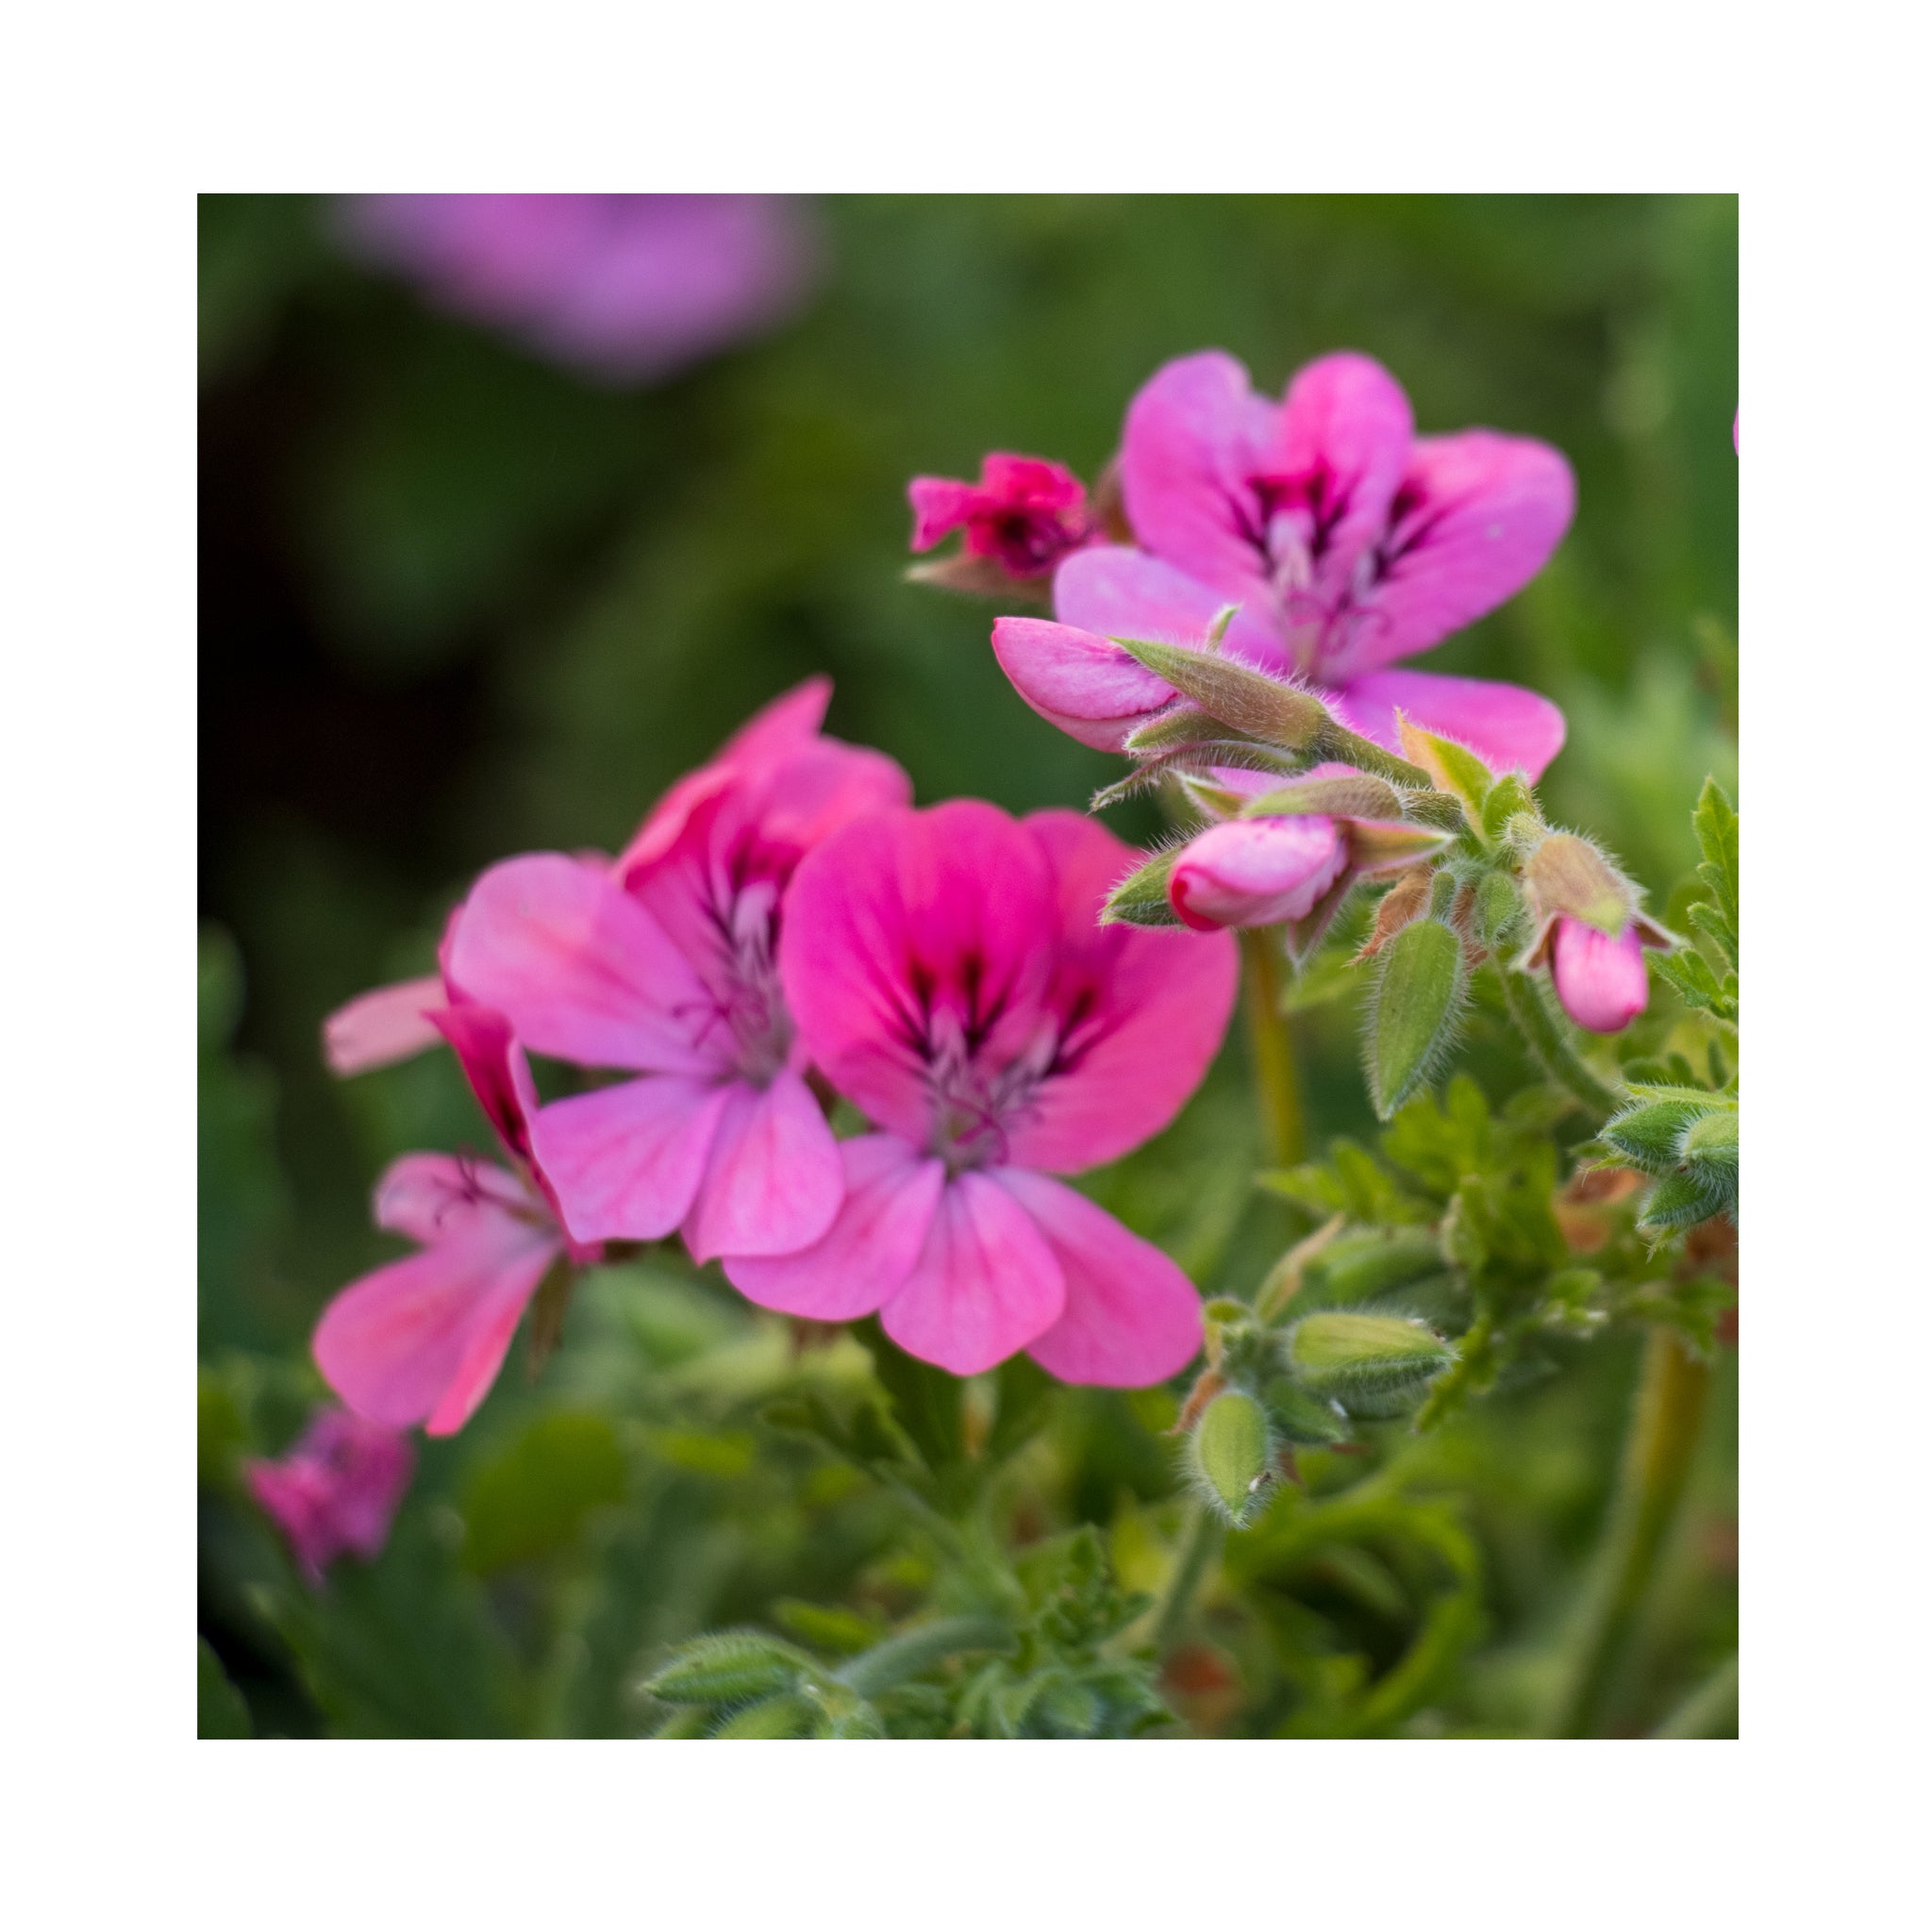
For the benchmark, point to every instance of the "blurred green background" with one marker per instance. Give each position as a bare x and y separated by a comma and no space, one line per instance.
456,604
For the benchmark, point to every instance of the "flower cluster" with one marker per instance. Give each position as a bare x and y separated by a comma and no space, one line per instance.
1284,557
784,913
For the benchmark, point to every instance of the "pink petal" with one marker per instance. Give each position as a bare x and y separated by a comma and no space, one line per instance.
940,505
579,969
1141,1013
1131,1318
432,1197
1344,437
625,1160
493,1064
1074,680
773,1182
1117,593
380,1028
1195,437
1477,517
1508,727
1600,980
1256,872
908,932
421,1340
787,724
985,1284
890,1193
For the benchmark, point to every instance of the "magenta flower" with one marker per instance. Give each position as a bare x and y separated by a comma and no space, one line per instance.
1257,871
422,1340
949,978
335,1492
1022,517
1599,978
665,966
1347,541
382,1026
627,288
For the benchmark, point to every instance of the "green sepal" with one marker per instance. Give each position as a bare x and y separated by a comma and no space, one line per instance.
788,1715
1453,767
1510,798
1301,1418
1499,911
1417,1000
1683,1199
1359,795
1140,898
1226,689
1649,1135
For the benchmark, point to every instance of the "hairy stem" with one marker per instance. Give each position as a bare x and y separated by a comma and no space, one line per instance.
1201,1537
1271,1046
1671,1395
1337,742
1560,1059
912,1651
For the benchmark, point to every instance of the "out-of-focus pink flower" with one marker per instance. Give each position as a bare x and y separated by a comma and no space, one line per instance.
1599,978
1345,542
1257,871
422,1340
335,1492
665,965
949,978
1022,517
627,288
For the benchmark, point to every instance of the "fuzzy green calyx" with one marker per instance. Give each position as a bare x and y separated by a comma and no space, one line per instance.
1418,1000
1233,1453
1366,1362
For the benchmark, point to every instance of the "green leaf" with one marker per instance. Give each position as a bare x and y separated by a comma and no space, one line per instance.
1715,821
1418,998
789,1715
220,1711
926,1402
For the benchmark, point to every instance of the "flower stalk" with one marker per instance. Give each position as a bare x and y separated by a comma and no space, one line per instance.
1270,1047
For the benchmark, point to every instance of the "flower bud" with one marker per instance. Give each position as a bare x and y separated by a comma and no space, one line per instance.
1372,1364
1232,1453
1412,1016
1238,695
1085,684
1020,519
1600,979
1256,872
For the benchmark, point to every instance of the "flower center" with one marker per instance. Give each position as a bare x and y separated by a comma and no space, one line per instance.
974,1104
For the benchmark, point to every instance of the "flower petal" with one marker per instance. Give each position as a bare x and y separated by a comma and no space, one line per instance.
773,1181
493,1064
1477,516
579,969
421,1340
432,1197
908,933
1141,1013
1118,592
1344,437
625,1161
1511,729
985,1284
1256,872
1600,980
1131,1317
890,1193
1195,437
1091,688
380,1028
940,505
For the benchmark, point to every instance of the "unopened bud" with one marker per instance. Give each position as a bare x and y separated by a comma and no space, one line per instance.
1233,1454
1412,1015
1141,897
1234,693
1372,1364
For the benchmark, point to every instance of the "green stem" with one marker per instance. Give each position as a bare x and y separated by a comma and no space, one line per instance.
1545,1040
1671,1397
1200,1544
1271,1046
912,1651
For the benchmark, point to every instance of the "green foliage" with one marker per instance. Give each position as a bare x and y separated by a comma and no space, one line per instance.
220,1711
1714,916
1418,998
1232,1452
530,1500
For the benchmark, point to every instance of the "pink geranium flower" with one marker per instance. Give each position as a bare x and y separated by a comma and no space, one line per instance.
1599,976
1022,517
627,288
1347,541
949,978
335,1492
422,1340
665,966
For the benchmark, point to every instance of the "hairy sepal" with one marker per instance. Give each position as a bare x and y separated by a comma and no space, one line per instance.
1414,1011
1246,699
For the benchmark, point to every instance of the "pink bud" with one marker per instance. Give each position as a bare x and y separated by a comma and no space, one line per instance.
1090,688
336,1491
1600,980
1257,871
